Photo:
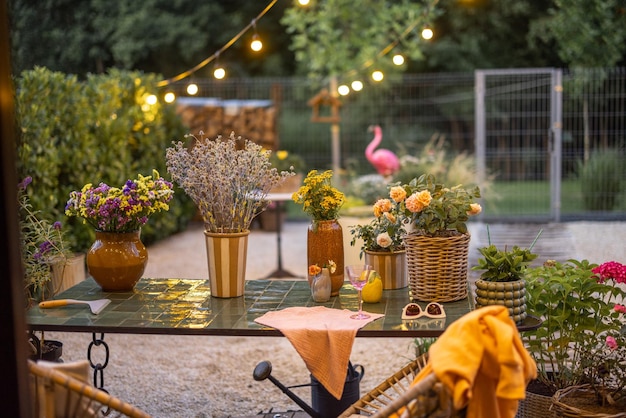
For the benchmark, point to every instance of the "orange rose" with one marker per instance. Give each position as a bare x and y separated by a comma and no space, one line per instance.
475,209
397,193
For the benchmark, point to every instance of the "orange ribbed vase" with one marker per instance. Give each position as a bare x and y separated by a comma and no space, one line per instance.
324,243
117,260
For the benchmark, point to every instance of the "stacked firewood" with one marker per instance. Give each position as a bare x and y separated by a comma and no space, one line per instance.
255,120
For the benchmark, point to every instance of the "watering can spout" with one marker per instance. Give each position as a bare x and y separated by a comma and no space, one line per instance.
263,371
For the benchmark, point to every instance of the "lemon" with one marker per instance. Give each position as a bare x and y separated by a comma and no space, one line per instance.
373,290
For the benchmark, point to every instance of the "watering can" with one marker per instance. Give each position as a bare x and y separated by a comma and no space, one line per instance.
324,405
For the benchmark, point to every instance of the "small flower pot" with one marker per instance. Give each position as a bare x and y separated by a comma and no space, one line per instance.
509,294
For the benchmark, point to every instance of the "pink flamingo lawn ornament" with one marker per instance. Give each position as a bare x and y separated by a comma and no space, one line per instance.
383,160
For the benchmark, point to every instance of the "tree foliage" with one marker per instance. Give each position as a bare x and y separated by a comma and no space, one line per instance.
335,37
587,33
160,36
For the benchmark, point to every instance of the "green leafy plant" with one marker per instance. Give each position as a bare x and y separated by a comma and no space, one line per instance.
385,232
578,304
601,180
436,210
504,265
43,244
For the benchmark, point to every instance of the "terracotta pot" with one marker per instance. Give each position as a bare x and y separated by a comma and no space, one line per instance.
227,254
117,260
324,243
391,266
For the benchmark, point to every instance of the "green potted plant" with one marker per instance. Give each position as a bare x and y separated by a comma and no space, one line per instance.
502,280
382,240
437,241
43,249
582,310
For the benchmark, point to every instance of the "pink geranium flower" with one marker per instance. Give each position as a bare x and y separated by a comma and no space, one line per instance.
611,270
610,341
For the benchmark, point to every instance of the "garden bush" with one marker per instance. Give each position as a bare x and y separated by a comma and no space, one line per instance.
601,179
73,132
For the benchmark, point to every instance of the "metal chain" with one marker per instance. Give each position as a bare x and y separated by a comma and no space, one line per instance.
98,368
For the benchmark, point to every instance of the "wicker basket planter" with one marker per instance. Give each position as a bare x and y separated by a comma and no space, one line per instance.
563,408
437,267
535,405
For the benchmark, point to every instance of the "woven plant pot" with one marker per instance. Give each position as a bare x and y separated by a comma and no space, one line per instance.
535,405
437,267
563,408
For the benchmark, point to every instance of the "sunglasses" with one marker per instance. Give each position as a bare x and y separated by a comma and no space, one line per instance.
414,311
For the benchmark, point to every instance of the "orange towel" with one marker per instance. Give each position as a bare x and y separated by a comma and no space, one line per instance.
323,337
481,359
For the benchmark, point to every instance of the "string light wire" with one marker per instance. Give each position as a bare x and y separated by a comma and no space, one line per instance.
202,64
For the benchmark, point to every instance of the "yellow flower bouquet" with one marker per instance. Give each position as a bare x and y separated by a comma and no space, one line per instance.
318,197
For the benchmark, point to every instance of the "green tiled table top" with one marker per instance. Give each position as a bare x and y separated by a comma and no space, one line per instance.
185,306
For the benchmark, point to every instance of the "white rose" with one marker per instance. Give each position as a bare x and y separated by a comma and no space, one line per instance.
383,240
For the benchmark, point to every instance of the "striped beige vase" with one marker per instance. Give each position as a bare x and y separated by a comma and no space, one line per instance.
391,267
226,254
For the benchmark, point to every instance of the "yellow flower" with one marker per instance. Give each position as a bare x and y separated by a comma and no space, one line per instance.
317,196
282,155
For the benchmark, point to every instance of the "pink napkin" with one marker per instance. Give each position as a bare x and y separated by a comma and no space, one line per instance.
323,337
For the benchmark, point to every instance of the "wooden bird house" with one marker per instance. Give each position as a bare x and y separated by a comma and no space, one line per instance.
325,107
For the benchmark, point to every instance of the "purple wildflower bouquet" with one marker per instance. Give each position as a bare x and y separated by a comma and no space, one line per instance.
111,209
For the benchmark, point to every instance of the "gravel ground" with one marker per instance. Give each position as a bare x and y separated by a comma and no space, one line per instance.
193,376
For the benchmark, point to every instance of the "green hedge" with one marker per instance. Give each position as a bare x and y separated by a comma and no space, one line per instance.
74,132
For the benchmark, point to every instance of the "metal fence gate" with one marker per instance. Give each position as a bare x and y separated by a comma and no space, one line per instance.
518,140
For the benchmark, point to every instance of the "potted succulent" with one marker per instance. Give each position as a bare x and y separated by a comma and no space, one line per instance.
383,240
437,241
580,346
502,281
43,248
229,180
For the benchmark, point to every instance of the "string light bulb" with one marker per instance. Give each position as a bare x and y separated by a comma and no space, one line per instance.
192,89
219,73
303,2
378,75
357,85
256,45
427,33
151,99
343,90
169,97
398,59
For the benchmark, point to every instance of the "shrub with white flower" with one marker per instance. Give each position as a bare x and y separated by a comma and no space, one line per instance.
384,233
